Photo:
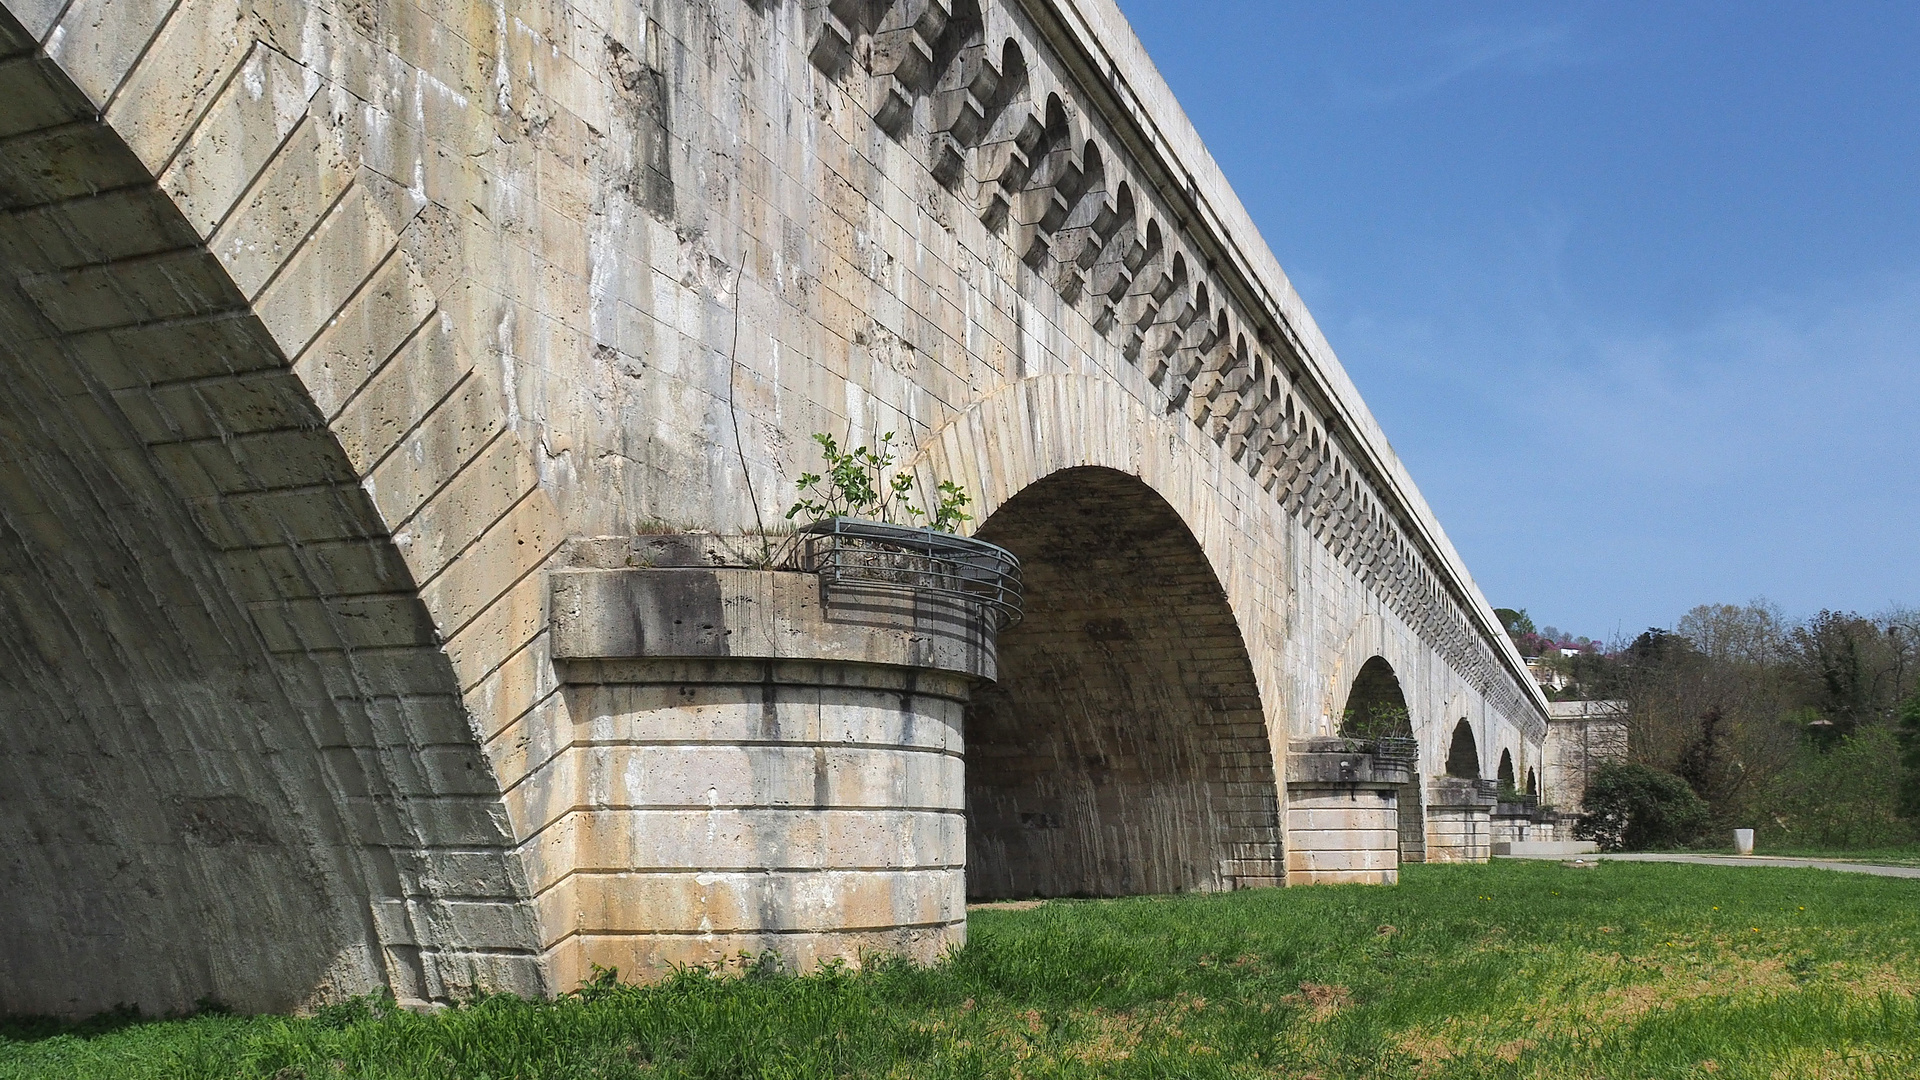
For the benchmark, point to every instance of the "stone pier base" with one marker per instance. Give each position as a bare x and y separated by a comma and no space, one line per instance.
1459,821
755,766
1343,815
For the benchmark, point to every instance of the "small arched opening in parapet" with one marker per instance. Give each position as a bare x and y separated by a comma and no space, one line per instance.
1377,709
1056,130
1505,777
1013,79
1093,170
1123,749
1533,783
1463,754
1153,244
965,29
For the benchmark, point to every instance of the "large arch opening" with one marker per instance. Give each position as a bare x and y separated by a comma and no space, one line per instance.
1463,754
1376,708
1123,749
1505,775
238,764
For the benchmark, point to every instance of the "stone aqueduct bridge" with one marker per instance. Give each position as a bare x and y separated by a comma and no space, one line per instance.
341,335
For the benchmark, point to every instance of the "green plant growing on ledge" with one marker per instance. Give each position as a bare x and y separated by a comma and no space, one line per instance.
1374,720
857,484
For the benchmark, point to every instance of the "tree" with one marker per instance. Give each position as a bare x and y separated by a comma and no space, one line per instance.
1853,669
1712,704
1910,758
1517,623
1805,730
1844,793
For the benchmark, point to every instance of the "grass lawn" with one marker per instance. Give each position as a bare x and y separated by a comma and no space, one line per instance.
1516,969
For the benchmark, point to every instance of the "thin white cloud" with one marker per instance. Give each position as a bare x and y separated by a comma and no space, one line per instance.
1764,448
1442,61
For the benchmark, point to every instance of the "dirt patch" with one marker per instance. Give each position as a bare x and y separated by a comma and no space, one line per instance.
1429,1051
1321,1000
1106,1037
1006,905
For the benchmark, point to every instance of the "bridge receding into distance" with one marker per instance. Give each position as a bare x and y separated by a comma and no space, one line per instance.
401,404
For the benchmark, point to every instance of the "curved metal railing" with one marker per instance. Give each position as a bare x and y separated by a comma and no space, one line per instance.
900,558
1404,749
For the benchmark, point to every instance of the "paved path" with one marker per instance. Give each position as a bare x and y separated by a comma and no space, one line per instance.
1749,860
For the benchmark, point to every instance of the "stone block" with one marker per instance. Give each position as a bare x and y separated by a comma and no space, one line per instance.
755,614
390,314
240,132
29,86
436,450
324,273
757,902
288,200
145,289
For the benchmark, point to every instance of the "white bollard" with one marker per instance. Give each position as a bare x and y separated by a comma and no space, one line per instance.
1743,841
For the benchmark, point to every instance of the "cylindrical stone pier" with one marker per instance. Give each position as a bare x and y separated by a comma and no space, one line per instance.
1459,814
761,766
1343,814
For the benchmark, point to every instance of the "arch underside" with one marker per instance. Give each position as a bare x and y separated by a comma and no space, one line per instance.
1463,752
1377,706
239,767
1123,749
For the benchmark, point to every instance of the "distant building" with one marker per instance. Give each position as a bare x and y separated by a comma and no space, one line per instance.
1546,676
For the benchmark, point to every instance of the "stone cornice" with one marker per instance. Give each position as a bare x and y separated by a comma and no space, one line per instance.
1099,45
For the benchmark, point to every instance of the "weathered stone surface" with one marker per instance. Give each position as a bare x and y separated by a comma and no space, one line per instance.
1342,834
325,331
762,758
744,614
1581,737
1459,820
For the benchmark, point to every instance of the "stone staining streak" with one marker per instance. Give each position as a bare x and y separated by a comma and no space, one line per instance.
641,115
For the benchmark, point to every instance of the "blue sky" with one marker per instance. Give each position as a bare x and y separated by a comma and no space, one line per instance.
1633,288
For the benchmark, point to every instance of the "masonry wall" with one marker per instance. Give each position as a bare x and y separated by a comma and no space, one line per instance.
333,322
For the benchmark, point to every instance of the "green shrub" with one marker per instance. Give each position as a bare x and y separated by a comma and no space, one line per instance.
1844,795
863,483
1637,806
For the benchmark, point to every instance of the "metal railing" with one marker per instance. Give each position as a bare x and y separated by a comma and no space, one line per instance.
871,555
1402,749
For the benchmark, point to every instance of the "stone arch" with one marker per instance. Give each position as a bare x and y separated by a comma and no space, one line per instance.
1375,704
1377,707
1533,782
1505,775
1463,752
1123,749
1031,428
240,764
